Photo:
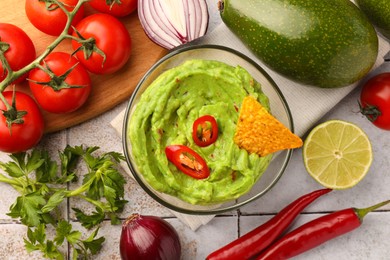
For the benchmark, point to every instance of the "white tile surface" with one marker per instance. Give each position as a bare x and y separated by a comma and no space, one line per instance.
370,241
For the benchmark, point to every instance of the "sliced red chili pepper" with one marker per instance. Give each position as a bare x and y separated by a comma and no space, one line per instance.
205,130
187,161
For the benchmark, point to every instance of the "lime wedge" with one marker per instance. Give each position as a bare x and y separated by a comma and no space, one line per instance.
337,154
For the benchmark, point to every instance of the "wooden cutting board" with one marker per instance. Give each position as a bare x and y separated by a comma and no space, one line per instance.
107,90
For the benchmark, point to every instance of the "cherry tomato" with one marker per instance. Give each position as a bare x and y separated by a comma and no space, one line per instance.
205,130
375,100
118,8
49,18
22,135
187,161
69,88
20,50
110,36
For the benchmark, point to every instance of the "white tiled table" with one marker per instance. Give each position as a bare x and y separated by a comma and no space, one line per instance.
370,241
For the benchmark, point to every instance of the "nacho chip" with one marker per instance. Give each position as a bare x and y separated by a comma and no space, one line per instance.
261,133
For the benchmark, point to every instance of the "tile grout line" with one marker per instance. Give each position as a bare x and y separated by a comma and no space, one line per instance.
67,199
238,223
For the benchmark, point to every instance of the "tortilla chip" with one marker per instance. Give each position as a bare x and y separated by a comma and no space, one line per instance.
261,133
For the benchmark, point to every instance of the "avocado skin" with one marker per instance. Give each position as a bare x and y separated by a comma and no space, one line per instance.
378,12
321,43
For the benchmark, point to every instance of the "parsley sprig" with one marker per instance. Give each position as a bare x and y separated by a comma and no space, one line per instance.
44,184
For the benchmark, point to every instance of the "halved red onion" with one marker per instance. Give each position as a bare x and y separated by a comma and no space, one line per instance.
170,23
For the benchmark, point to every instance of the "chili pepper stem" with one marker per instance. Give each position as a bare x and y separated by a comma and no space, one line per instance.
361,213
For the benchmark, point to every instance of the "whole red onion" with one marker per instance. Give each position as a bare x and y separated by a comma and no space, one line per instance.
148,237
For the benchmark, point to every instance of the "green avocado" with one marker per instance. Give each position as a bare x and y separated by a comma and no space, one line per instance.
378,11
322,43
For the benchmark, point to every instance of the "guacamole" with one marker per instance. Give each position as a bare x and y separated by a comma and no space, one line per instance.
165,115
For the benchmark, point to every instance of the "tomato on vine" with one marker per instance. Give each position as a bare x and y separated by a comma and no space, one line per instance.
118,8
61,84
49,18
375,100
21,124
101,43
18,49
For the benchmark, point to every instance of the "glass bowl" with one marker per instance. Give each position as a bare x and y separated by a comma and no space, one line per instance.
278,105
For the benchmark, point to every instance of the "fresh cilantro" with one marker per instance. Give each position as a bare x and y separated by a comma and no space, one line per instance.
43,186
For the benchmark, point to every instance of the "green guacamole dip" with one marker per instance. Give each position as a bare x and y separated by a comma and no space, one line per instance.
165,114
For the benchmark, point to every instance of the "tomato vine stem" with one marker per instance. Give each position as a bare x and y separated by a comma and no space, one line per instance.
13,75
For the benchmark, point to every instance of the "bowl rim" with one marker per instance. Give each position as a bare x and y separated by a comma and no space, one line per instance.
125,141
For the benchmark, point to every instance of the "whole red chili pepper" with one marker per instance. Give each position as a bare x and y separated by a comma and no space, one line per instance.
316,232
252,243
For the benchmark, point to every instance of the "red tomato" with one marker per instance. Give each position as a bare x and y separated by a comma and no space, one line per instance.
118,8
110,36
187,161
21,51
205,130
25,135
51,19
375,100
58,95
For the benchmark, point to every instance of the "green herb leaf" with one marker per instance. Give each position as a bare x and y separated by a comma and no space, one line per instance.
27,208
47,171
64,231
108,182
68,164
54,200
12,169
92,244
90,221
35,160
43,189
50,250
38,235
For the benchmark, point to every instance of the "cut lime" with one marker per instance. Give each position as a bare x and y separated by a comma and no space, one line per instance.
337,154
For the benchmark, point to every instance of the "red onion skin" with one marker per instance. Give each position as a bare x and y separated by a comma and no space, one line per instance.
149,238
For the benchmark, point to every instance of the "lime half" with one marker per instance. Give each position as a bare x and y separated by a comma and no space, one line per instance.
337,154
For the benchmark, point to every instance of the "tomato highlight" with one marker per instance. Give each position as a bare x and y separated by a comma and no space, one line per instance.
187,161
205,130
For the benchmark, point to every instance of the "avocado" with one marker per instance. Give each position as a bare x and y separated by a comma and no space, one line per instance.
322,43
378,12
